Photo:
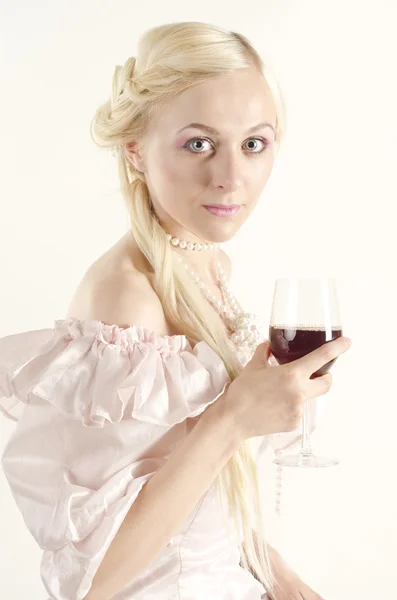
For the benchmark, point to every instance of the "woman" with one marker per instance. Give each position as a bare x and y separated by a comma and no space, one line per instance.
133,460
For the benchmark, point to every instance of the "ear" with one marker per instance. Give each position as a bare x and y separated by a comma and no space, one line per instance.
134,155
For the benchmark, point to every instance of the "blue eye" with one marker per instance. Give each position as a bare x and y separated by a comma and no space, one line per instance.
201,140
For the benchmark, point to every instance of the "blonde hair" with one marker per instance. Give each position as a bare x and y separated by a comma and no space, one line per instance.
170,59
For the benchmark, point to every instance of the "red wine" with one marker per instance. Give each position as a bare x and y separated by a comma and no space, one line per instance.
289,343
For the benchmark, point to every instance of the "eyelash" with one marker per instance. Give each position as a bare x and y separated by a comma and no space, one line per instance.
265,142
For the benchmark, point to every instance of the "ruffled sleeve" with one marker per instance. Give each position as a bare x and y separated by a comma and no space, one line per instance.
100,374
98,411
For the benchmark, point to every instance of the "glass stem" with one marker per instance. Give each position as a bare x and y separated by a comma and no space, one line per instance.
306,448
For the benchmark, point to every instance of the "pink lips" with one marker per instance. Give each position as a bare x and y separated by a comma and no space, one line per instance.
222,210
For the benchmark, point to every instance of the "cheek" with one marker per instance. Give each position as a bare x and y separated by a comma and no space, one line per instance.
164,170
262,174
175,173
173,176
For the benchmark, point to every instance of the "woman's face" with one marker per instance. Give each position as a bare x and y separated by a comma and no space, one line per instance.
188,167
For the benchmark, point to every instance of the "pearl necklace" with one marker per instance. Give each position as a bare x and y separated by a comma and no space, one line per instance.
244,327
245,330
191,245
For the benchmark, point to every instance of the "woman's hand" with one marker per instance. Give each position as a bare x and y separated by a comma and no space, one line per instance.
289,585
265,399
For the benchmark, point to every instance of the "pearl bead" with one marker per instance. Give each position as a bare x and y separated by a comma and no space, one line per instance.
245,332
191,245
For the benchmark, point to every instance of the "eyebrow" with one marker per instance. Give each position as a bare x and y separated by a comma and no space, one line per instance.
215,132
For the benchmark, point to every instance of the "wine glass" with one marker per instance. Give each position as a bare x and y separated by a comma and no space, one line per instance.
305,315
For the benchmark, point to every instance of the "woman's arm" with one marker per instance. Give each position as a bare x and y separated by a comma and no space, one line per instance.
288,583
166,501
279,565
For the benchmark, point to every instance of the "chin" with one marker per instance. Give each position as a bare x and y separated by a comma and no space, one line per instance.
225,238
220,235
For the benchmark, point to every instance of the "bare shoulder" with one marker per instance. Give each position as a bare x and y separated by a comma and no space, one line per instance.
118,291
118,299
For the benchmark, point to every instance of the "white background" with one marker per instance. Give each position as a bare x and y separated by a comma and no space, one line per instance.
327,210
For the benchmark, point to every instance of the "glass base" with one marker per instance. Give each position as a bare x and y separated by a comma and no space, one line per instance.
305,461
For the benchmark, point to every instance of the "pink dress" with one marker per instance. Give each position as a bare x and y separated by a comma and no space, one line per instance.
99,409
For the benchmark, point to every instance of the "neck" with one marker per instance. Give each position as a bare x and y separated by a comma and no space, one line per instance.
203,262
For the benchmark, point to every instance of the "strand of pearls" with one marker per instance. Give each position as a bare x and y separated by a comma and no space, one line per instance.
245,330
191,245
244,327
279,482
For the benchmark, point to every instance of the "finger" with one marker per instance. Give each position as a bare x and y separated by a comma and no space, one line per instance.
313,361
262,354
320,385
273,360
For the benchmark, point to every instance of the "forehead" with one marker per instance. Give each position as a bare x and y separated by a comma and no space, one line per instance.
230,103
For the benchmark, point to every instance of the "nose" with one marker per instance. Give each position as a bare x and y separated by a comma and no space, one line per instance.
226,171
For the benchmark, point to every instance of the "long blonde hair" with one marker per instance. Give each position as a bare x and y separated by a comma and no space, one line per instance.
170,59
